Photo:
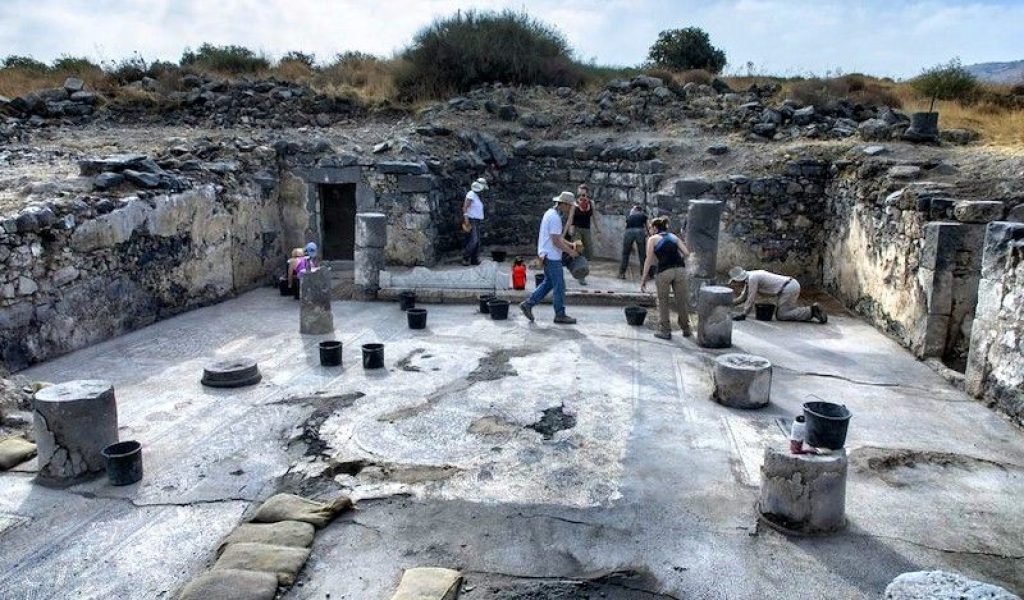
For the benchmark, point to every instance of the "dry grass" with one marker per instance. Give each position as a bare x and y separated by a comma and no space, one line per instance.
997,125
18,82
367,78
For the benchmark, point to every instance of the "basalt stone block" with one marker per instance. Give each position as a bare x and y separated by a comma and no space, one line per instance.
714,316
941,241
73,422
999,237
315,316
803,493
978,211
368,263
692,188
415,184
371,230
942,585
402,168
231,373
703,220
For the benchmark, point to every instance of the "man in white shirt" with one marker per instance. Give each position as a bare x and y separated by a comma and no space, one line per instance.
550,248
473,216
783,290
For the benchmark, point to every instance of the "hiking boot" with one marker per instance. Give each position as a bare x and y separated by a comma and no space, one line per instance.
527,310
818,313
622,275
564,320
663,335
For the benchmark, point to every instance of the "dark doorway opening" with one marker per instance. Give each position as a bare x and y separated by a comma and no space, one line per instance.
338,210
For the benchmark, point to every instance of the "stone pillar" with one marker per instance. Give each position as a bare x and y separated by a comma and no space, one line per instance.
714,316
371,237
803,493
315,316
994,328
742,380
703,220
74,421
935,275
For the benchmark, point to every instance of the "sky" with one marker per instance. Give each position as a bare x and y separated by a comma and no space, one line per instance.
896,38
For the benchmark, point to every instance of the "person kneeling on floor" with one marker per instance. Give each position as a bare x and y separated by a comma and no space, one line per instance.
783,290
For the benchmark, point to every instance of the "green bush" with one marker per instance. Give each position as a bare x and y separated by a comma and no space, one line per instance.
686,49
224,59
950,81
25,63
456,53
74,65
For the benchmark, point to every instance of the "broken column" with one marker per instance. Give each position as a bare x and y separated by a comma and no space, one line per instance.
942,241
74,421
714,316
315,316
371,237
703,218
742,380
803,493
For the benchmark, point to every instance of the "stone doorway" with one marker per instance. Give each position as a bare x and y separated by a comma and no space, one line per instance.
338,226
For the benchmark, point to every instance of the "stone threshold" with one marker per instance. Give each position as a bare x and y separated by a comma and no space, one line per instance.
471,296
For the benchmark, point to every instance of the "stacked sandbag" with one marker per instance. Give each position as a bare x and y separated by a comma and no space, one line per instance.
14,451
267,552
428,583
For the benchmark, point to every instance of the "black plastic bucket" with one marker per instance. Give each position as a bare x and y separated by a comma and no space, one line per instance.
124,462
283,287
417,318
764,312
826,424
499,255
636,315
373,356
407,300
330,353
484,299
498,309
538,279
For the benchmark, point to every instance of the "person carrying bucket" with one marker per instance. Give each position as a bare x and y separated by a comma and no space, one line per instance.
551,249
783,290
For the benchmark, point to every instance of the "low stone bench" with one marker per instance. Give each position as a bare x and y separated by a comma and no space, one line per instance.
73,422
803,494
742,380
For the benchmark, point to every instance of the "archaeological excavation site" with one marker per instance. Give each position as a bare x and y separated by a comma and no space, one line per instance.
248,351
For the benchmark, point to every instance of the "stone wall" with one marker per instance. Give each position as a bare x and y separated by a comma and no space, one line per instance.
995,367
73,275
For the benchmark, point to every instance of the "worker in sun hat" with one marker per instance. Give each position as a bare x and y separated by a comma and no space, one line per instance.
784,291
551,248
472,218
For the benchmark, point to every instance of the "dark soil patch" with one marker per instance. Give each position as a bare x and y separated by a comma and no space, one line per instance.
554,420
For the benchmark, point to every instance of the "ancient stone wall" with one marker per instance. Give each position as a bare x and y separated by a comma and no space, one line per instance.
995,367
78,276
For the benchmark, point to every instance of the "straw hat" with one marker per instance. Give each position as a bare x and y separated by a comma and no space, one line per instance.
738,274
565,198
478,187
482,182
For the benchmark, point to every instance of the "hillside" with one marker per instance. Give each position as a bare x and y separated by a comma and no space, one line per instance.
999,72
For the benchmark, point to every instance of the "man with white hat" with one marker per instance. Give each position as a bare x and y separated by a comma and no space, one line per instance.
551,246
783,290
472,217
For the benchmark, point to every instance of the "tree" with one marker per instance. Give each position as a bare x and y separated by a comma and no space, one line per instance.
685,49
950,81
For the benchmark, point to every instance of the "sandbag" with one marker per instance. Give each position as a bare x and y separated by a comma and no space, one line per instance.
295,534
283,561
14,451
429,583
289,507
231,584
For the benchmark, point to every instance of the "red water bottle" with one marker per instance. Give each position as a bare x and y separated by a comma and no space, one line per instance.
519,275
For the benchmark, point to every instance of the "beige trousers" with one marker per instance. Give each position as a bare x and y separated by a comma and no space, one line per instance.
788,310
673,280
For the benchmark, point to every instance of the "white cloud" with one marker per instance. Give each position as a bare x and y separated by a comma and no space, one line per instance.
778,36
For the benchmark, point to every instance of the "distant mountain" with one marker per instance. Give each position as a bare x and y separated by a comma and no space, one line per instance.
999,72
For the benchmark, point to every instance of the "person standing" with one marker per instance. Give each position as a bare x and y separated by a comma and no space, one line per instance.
634,235
579,224
784,290
670,253
472,218
551,246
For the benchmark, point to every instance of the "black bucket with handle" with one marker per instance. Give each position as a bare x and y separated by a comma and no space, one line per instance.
407,300
373,356
764,311
827,424
417,318
330,353
124,462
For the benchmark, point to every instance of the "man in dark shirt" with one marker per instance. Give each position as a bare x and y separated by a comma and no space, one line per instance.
635,235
